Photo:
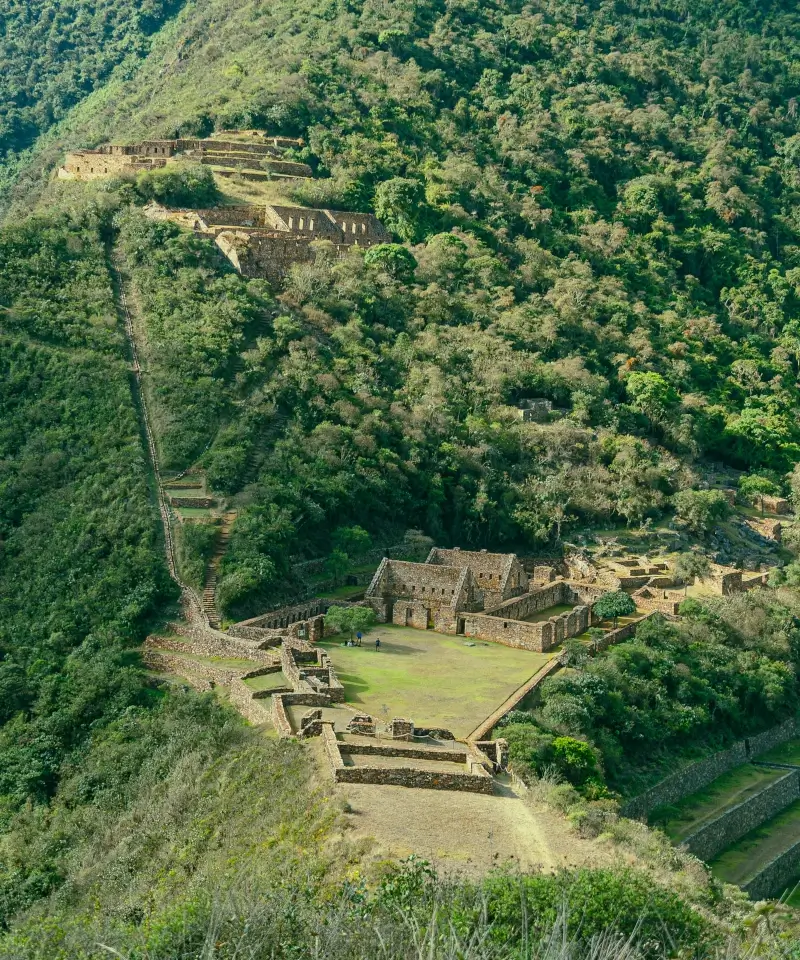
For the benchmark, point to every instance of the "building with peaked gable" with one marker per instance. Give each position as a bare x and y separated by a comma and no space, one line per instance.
484,595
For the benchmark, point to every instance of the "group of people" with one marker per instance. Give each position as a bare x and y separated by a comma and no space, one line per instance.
359,637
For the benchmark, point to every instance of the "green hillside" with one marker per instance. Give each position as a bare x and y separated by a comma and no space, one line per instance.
591,203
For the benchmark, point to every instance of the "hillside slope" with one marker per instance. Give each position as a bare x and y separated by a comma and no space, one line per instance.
602,201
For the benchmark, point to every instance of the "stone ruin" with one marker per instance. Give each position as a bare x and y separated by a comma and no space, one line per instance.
249,155
265,240
483,595
536,410
362,724
259,240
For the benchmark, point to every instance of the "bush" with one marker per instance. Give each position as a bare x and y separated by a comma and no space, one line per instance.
180,185
195,543
701,510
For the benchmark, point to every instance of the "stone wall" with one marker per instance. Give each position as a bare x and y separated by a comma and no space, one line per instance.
686,781
199,502
210,644
762,742
534,601
270,256
539,637
740,819
474,780
387,750
698,775
776,875
285,616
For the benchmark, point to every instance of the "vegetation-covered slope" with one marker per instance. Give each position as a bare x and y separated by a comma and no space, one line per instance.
598,206
53,54
601,198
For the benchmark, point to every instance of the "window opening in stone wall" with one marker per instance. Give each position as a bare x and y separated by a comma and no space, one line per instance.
302,221
311,224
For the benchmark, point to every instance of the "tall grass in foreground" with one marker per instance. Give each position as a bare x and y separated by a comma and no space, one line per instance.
413,915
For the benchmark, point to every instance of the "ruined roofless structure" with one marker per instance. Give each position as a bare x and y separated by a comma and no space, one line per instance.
250,155
265,240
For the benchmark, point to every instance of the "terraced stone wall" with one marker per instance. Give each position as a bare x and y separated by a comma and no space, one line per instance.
698,775
735,822
686,781
776,876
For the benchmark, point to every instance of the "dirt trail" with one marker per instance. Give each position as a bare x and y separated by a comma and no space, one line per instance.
464,833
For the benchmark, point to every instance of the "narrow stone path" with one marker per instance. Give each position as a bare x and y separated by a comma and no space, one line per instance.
210,587
190,601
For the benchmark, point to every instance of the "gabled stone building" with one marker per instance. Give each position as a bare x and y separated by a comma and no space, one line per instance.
498,576
483,595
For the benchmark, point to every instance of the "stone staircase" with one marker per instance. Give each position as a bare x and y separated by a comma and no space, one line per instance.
210,588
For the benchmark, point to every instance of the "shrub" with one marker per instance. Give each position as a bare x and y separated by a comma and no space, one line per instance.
179,184
701,510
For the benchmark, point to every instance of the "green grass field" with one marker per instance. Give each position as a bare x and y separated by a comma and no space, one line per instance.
432,679
731,788
750,854
788,752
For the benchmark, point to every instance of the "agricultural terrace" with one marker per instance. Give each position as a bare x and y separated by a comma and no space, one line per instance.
432,679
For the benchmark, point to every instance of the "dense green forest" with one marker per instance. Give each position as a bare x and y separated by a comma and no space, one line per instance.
728,669
600,205
593,203
54,54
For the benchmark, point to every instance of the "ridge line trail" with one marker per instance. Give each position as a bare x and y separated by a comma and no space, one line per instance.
193,609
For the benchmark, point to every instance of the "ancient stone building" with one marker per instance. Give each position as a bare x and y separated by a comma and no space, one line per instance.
483,595
265,240
498,576
252,156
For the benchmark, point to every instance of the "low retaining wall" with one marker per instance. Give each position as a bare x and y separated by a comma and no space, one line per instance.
762,742
776,876
409,777
698,775
475,781
686,781
258,634
208,644
735,822
381,750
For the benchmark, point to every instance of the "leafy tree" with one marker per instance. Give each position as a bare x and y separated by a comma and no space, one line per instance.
393,258
755,487
576,760
652,395
613,605
691,566
179,185
575,653
400,204
701,510
353,541
350,619
337,565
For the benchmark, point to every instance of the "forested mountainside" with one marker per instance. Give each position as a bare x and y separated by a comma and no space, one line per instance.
53,54
592,203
